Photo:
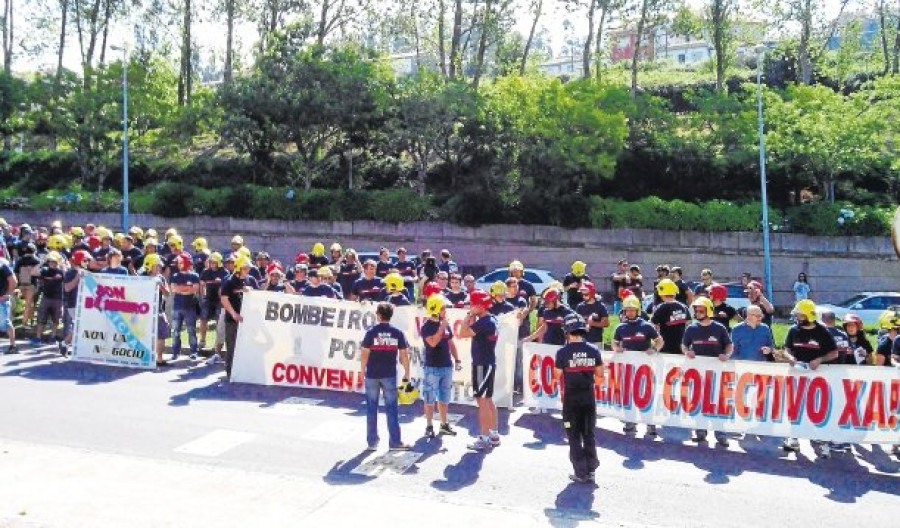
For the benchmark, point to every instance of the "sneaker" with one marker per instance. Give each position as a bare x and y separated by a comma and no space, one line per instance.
576,478
62,348
13,349
651,430
825,450
372,447
699,436
400,447
174,357
35,341
494,439
722,441
446,430
480,444
162,363
630,428
790,444
194,356
429,431
213,359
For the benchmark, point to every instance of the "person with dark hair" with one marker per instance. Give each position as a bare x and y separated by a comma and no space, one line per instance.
379,351
368,287
578,368
801,287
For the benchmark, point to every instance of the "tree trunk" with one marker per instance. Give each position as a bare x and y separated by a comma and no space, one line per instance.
8,36
184,80
64,15
229,41
719,18
537,15
598,53
486,20
454,67
588,43
416,38
107,14
323,22
805,34
642,21
895,68
882,23
442,52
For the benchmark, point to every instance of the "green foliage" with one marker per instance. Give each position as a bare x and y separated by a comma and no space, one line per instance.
822,218
654,213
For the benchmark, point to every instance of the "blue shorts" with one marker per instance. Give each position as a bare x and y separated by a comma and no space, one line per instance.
5,321
437,385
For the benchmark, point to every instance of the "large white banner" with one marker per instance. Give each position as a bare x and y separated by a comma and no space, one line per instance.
115,320
297,341
843,403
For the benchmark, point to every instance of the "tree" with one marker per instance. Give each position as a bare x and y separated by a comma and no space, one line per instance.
719,13
8,34
537,7
648,13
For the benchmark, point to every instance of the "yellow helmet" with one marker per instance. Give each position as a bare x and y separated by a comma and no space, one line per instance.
151,233
119,237
199,244
56,224
67,240
103,232
237,240
318,249
435,304
151,261
631,302
516,266
706,303
407,393
498,288
53,256
56,242
76,231
667,288
336,247
244,251
889,319
171,232
578,268
136,232
806,308
325,272
393,283
216,257
176,241
243,261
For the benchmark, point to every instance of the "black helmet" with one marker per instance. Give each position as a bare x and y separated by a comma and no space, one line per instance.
573,323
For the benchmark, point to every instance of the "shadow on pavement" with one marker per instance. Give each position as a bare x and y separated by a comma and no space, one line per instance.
573,505
31,358
462,474
67,370
546,428
341,473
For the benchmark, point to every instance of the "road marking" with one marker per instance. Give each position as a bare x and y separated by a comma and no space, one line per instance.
291,406
215,443
392,463
337,432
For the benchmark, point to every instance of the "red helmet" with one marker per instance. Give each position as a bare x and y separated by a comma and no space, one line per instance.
183,261
480,298
274,266
753,285
551,295
718,292
624,293
93,242
80,257
588,288
432,288
852,318
301,258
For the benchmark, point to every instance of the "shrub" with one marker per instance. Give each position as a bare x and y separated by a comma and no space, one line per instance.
823,218
654,213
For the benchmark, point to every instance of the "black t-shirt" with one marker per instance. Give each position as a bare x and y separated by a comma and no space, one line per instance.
706,340
457,299
384,343
682,295
52,283
807,344
573,296
858,341
348,273
367,289
671,318
131,257
500,308
26,261
723,314
842,342
553,319
886,347
526,290
592,311
5,273
233,288
382,268
70,298
578,361
436,356
213,279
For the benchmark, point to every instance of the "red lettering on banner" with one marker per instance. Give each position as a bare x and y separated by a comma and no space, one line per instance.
894,404
762,394
643,387
669,399
709,404
319,376
818,401
873,415
314,376
548,380
777,397
278,372
627,382
850,414
614,385
333,378
306,375
725,408
740,394
533,382
796,388
691,385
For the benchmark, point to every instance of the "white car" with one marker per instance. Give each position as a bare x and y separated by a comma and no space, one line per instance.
539,278
867,305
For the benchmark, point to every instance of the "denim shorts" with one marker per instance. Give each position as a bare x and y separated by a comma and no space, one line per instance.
5,319
437,385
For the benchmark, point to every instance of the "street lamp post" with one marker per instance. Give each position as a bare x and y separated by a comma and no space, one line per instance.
767,257
124,136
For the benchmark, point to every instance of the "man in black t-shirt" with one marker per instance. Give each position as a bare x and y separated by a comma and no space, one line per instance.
437,336
670,317
807,345
578,370
572,283
593,312
50,309
723,312
231,296
685,295
8,286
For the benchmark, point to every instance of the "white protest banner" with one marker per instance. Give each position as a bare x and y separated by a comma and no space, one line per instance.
297,341
841,403
115,320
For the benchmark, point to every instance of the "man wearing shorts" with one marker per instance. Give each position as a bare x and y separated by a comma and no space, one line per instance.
51,276
80,261
8,285
439,347
482,327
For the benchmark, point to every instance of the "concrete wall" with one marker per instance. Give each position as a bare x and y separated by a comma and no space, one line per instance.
837,266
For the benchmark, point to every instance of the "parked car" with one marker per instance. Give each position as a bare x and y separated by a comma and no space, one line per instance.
737,299
867,305
540,278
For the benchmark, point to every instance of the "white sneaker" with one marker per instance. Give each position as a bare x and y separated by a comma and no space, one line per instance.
480,444
214,359
494,439
791,444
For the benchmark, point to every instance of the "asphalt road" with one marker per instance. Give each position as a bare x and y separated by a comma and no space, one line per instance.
85,445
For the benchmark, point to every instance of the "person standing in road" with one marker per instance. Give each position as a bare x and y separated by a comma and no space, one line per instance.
634,333
578,370
801,288
550,319
483,329
439,348
8,287
379,351
232,296
706,337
